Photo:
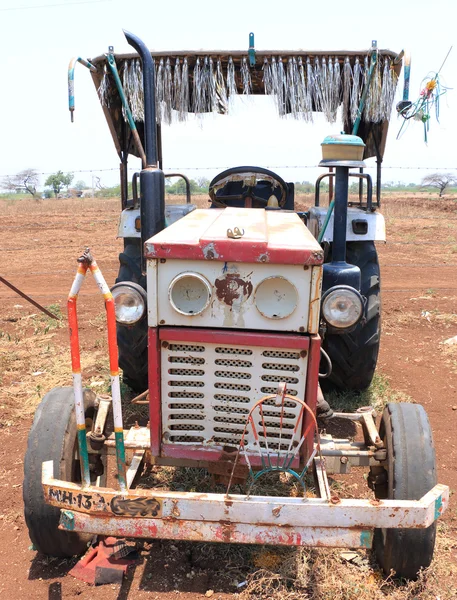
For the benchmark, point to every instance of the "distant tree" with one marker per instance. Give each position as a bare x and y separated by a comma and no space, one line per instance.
81,185
439,180
24,181
59,180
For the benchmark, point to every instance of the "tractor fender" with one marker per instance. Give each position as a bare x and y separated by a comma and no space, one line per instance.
358,222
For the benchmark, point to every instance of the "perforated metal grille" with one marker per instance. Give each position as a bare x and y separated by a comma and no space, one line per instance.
186,348
208,400
189,360
281,354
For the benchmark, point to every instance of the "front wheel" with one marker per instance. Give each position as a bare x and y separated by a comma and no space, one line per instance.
53,436
411,473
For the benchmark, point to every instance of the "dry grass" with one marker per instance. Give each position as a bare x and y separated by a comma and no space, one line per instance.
319,574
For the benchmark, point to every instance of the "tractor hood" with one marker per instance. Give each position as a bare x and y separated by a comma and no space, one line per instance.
237,235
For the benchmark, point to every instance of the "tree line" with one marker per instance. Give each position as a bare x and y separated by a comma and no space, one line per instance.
27,181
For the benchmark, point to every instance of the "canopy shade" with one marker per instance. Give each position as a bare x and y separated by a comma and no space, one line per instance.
301,82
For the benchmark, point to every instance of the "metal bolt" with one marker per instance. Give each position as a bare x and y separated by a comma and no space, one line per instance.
303,353
164,344
305,267
162,322
344,460
301,329
276,511
163,260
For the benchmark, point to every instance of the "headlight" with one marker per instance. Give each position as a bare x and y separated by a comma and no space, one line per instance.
276,298
129,302
342,307
189,293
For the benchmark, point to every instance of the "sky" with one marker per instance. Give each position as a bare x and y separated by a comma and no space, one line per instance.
39,37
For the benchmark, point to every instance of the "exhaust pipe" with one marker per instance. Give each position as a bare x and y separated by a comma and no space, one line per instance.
152,181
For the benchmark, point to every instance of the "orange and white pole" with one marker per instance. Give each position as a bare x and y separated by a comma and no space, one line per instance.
87,262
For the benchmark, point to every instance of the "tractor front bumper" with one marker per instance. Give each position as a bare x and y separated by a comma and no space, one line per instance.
147,513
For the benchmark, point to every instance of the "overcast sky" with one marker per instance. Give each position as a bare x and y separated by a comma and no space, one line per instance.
38,40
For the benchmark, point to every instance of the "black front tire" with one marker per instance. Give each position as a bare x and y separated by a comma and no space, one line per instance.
411,473
53,436
133,341
354,355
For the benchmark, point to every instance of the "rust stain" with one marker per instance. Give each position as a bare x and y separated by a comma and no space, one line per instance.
231,288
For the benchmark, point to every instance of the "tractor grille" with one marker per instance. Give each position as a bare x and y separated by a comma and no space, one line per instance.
208,391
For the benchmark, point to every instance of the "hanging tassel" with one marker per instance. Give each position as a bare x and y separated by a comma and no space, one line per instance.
357,78
336,88
104,88
389,84
221,90
246,77
347,84
231,80
184,97
306,100
197,88
167,93
212,87
159,91
281,87
177,85
317,89
267,78
373,101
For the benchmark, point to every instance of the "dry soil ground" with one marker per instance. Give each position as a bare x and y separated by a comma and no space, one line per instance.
39,245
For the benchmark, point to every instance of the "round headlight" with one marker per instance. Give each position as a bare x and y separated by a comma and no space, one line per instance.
189,293
342,307
129,302
276,298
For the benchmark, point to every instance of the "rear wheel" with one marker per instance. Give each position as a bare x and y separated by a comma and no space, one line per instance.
354,355
133,341
53,436
411,473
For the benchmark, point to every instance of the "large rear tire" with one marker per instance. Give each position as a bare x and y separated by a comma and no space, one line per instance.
411,473
133,341
53,436
354,355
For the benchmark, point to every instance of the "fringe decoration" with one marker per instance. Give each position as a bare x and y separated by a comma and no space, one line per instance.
389,84
357,79
281,87
231,79
197,101
221,90
297,84
267,78
347,77
159,91
373,102
246,77
184,98
104,88
167,93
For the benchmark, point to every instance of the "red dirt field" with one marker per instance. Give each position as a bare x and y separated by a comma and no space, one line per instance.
39,244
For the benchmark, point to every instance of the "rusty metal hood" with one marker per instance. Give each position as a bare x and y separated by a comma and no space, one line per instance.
238,235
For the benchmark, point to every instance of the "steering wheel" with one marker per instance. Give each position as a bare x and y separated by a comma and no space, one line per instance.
248,179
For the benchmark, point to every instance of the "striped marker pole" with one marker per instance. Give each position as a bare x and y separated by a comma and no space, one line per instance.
87,262
76,370
114,373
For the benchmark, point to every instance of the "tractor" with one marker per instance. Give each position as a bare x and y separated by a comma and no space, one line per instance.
224,320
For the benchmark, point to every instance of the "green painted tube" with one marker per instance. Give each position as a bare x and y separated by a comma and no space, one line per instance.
128,112
83,456
327,219
120,459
